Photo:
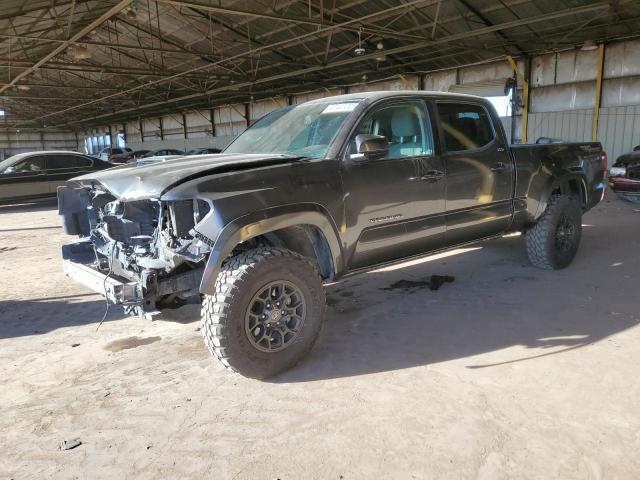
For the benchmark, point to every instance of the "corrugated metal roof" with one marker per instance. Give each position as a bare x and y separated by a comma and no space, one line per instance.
158,56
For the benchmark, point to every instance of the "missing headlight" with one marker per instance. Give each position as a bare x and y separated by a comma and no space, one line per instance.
185,214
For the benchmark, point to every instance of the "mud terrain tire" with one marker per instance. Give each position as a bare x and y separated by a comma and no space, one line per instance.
229,317
553,242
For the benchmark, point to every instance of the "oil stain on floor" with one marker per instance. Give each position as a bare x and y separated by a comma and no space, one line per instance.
434,283
129,342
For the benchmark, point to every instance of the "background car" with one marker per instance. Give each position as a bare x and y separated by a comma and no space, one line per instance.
33,175
624,176
163,152
203,151
139,153
154,159
115,155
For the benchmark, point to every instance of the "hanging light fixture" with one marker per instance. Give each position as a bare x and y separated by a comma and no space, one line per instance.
79,52
359,50
588,45
381,56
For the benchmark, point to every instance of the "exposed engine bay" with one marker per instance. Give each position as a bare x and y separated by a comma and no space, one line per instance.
146,252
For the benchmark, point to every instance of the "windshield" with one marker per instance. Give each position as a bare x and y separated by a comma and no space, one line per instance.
301,130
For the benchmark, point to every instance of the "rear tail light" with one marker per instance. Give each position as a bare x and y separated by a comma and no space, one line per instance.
604,161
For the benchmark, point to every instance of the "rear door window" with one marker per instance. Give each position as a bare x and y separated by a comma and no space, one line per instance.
83,162
57,162
465,126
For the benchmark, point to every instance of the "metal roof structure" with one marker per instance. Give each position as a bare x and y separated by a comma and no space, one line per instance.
90,62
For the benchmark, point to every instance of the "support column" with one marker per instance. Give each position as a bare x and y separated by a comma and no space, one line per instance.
596,106
525,95
212,119
184,126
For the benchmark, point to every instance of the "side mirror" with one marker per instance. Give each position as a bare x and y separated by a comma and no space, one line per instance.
370,146
8,170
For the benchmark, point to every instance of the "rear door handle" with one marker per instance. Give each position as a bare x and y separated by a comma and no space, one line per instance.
498,167
432,176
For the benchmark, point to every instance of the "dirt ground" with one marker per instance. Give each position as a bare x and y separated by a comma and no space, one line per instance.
505,372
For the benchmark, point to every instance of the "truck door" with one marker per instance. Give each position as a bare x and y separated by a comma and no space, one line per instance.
394,205
479,172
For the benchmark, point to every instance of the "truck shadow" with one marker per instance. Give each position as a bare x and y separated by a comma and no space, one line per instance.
497,301
19,318
30,206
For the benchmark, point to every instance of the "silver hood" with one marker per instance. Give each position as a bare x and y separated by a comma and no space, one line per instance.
130,182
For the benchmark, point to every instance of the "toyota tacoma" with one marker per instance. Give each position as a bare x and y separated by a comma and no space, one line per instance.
311,193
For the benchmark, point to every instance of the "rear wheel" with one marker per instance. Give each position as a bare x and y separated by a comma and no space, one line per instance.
553,242
266,314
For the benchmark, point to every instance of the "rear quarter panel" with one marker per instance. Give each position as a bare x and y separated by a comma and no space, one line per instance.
541,169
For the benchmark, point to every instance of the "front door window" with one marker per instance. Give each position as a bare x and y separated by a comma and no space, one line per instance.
405,126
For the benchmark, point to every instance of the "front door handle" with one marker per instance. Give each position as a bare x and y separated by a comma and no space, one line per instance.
498,167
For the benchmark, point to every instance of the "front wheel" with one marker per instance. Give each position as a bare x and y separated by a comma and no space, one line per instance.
554,240
266,314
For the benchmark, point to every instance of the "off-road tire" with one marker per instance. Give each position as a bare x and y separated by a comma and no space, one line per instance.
542,240
223,314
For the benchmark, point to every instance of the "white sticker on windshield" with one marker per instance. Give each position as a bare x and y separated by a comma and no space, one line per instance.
340,107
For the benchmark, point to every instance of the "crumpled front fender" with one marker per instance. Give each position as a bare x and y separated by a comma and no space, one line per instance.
259,223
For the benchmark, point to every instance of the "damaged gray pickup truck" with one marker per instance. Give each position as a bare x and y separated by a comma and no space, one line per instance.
309,194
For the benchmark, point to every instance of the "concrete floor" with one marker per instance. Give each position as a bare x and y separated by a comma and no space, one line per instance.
508,372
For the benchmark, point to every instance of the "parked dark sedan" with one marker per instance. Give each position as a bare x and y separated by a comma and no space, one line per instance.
163,152
624,176
203,151
33,175
140,153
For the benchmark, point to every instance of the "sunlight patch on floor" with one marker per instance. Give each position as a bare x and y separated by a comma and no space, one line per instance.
430,258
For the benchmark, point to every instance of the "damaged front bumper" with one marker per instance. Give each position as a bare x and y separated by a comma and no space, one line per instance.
117,291
141,254
79,263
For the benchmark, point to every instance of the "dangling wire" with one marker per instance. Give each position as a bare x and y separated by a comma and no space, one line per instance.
104,284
